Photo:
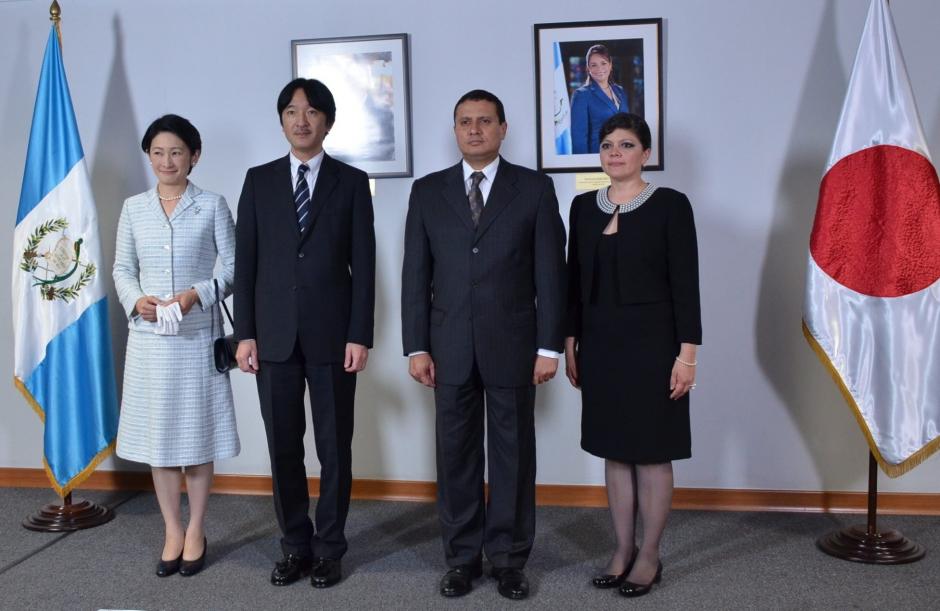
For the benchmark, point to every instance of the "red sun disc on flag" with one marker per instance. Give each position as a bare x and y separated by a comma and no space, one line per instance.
877,227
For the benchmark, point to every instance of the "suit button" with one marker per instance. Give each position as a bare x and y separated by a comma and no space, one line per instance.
475,250
476,284
300,255
293,288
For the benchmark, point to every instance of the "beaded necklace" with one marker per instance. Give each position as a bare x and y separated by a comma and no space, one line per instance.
608,207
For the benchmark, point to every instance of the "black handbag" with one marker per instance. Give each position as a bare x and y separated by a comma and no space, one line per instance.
224,346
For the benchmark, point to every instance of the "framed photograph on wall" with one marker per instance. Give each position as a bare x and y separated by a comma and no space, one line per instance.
584,73
369,79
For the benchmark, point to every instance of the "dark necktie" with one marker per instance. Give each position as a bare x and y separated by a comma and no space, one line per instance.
476,197
302,198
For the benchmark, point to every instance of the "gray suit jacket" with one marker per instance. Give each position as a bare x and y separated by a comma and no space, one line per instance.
494,294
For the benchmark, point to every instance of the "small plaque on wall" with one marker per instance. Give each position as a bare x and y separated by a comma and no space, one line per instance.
588,181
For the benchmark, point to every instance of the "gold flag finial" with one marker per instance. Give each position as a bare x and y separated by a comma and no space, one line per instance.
55,16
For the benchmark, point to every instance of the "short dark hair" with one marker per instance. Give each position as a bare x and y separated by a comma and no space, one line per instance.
318,96
631,123
176,125
482,95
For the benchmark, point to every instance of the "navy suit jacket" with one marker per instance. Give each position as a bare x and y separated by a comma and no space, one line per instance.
494,294
317,288
590,107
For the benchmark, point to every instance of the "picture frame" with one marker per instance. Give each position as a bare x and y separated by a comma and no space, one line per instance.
568,109
369,77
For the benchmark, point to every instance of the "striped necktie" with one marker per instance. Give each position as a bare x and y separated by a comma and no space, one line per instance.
476,197
302,198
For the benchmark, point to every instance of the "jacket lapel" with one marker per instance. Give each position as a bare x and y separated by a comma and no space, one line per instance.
282,196
456,195
188,199
327,178
603,96
502,192
153,205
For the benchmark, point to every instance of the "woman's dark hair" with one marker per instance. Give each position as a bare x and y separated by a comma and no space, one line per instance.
631,123
603,52
318,96
482,95
179,127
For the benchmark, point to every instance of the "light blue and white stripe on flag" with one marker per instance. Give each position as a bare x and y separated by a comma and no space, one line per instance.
562,106
62,356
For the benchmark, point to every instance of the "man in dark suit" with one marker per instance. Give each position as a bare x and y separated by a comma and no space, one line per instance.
304,308
482,307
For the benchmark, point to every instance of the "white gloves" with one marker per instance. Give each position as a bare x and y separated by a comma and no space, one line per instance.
168,319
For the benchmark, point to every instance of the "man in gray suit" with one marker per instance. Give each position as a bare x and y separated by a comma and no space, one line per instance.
482,307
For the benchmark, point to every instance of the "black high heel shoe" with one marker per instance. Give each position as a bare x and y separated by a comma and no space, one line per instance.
632,590
188,568
165,568
606,581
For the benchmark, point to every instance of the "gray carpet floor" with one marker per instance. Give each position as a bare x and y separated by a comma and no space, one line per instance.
712,560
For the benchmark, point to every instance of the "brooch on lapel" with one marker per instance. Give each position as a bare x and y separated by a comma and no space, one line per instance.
196,209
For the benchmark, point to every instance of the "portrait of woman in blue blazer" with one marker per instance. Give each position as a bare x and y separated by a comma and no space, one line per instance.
594,102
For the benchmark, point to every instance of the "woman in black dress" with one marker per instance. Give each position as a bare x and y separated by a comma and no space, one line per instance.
633,331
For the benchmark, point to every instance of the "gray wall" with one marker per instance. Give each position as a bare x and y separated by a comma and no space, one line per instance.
753,90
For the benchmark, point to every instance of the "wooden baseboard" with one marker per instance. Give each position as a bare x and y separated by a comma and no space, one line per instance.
720,499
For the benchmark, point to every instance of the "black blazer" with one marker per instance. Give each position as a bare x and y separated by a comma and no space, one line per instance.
657,258
496,293
319,288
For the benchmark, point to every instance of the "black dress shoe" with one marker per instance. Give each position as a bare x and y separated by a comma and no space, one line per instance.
165,568
290,569
326,572
188,568
459,580
632,590
511,583
605,581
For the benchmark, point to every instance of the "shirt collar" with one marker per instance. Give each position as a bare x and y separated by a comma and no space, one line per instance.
489,172
313,164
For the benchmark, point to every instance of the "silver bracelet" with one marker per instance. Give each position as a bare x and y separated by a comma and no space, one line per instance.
692,364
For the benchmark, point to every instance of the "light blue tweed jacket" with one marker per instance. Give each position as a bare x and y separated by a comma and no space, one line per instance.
158,256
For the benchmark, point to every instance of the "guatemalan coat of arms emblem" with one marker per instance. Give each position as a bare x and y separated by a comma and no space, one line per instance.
54,261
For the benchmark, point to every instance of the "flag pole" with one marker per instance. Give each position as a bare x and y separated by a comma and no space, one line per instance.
55,16
68,516
866,544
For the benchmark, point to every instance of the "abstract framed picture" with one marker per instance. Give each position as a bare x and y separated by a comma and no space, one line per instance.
584,73
370,81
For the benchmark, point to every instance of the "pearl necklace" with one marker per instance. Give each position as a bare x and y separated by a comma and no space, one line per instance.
608,207
169,199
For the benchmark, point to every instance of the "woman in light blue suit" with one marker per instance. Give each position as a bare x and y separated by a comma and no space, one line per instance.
177,413
594,102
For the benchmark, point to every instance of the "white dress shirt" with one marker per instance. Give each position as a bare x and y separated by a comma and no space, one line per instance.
489,175
311,176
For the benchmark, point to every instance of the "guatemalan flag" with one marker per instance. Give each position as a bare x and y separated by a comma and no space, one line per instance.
562,106
62,363
872,307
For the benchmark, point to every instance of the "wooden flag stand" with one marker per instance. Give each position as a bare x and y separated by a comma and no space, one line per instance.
864,543
68,516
